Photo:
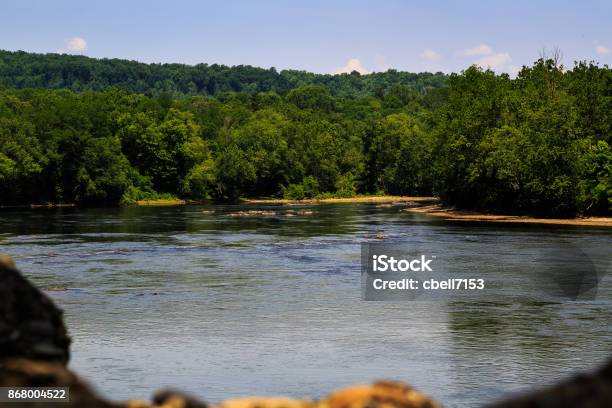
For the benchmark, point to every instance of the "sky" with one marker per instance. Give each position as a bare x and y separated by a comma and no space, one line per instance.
323,36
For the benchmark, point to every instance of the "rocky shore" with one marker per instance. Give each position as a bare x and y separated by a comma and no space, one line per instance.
34,352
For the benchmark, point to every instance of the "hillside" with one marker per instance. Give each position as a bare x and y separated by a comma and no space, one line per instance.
79,73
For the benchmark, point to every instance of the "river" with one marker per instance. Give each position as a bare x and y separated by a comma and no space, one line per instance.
220,305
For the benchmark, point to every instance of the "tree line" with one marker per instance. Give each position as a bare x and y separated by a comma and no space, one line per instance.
79,73
538,143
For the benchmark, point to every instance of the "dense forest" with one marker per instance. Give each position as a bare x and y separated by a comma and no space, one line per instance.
107,132
80,73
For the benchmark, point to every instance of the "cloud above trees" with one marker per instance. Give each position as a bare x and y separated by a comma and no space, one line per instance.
482,49
74,45
430,55
601,49
488,58
353,64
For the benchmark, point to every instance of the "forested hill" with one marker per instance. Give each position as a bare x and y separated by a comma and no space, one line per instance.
539,143
79,73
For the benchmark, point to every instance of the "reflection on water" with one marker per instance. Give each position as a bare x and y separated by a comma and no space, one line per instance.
221,306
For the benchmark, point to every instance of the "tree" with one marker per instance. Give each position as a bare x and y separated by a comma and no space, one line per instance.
597,182
401,156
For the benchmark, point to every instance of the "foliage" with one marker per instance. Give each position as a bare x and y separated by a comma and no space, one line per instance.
308,188
539,143
597,184
517,145
79,73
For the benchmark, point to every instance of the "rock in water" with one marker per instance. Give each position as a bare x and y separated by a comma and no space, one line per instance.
31,326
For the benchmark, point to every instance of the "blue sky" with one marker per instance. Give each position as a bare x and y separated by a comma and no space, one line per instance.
319,36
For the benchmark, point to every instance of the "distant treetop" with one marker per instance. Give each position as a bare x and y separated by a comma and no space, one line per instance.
54,71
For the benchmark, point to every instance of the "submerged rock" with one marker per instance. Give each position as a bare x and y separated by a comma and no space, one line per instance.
253,213
304,212
56,289
293,213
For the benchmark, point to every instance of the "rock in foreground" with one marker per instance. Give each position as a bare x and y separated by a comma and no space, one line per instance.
31,326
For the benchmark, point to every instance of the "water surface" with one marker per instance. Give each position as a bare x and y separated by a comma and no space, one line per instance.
221,306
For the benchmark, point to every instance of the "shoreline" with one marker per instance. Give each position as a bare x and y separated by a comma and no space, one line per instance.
161,202
386,199
353,200
439,211
429,206
36,206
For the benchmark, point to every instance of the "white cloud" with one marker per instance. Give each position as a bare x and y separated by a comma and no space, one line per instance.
494,61
352,65
430,55
489,59
602,49
381,63
75,45
513,70
482,49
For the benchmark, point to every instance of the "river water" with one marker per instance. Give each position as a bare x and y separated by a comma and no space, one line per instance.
220,306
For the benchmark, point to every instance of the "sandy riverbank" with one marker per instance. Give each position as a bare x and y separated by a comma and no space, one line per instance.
437,210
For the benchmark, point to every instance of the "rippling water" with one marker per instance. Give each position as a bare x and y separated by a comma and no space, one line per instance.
221,306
